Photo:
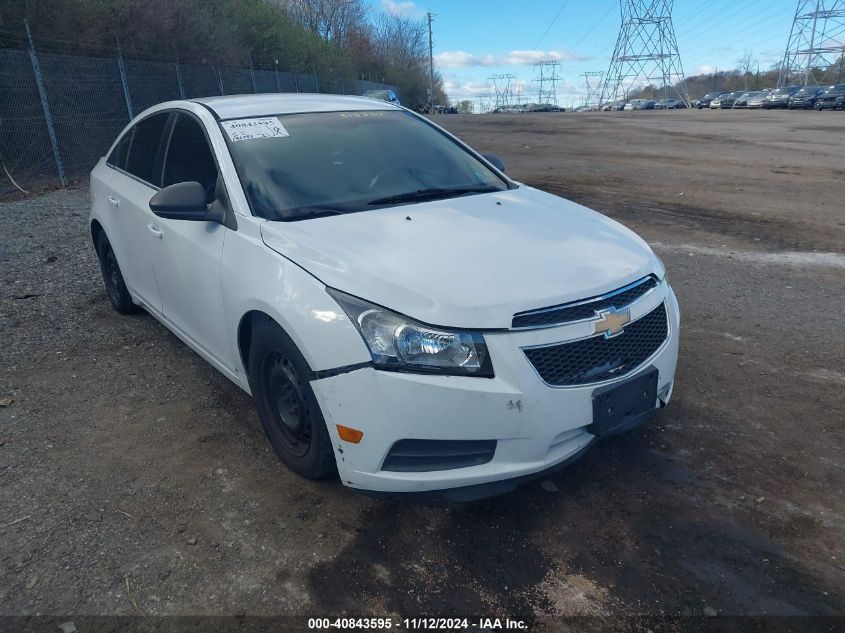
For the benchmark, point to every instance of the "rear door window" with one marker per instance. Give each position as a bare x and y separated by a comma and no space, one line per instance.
145,149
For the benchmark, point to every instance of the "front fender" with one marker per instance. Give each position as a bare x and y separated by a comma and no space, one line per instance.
256,278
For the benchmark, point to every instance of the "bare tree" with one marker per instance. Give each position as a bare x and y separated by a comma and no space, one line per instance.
332,20
745,65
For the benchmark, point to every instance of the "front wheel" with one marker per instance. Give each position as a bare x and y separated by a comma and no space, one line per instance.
289,412
119,296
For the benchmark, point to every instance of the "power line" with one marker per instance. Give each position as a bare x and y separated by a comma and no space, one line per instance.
595,26
552,23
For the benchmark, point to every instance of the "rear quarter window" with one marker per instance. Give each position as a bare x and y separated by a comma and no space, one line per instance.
145,149
117,158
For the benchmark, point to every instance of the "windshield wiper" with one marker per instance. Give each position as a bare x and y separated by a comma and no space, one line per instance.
432,193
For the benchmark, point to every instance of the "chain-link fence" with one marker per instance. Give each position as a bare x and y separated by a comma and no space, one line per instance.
59,113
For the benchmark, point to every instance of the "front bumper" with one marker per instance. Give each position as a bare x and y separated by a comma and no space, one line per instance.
536,427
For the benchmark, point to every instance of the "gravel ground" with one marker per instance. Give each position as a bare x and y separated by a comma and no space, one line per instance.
127,462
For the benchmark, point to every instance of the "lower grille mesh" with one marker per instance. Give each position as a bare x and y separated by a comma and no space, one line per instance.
598,358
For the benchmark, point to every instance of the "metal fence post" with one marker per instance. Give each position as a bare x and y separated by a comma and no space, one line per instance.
278,85
252,74
123,80
45,106
179,75
220,80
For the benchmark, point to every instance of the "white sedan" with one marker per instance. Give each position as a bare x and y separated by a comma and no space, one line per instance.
402,312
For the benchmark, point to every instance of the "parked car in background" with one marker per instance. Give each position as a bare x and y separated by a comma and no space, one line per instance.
640,104
544,107
705,101
756,102
742,100
726,101
312,249
669,104
832,99
779,98
716,103
383,95
805,98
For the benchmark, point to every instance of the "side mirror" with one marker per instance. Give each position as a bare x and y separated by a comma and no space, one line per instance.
183,201
494,160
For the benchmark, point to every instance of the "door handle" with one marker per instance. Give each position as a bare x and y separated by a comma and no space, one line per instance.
152,228
114,201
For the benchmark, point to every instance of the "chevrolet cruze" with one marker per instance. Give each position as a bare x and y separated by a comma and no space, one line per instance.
402,312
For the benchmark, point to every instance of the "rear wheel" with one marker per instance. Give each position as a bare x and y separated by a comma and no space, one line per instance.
119,296
287,407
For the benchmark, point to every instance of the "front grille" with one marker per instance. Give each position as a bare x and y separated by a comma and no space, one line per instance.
586,308
599,358
408,456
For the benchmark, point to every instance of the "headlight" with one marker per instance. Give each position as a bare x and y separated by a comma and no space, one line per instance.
664,276
398,343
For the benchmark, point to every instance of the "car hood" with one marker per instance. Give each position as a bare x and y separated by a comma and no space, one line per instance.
472,261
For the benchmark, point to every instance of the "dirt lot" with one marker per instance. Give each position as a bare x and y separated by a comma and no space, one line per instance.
125,460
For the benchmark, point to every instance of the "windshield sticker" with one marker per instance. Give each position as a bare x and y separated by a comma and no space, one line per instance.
361,115
247,129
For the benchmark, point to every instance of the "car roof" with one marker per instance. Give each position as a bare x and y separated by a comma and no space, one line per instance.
238,106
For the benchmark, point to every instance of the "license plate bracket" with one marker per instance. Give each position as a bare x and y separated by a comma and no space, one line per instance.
623,406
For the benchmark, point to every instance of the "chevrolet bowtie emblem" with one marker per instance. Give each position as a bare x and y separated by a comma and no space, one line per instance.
612,322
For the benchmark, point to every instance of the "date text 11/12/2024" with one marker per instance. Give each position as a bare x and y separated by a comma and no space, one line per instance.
438,624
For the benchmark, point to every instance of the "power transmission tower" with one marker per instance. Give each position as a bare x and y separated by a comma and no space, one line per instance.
502,89
518,92
484,103
548,74
646,51
430,64
595,83
816,48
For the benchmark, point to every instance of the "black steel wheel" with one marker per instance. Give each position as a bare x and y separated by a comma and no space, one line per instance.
119,296
288,410
291,416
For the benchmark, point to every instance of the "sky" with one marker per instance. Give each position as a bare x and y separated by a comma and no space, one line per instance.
474,39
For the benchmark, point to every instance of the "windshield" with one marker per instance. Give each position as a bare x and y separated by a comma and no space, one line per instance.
808,91
341,162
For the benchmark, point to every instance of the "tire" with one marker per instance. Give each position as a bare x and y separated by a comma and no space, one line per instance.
119,296
287,407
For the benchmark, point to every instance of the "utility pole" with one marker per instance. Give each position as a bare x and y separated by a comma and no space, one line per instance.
430,16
